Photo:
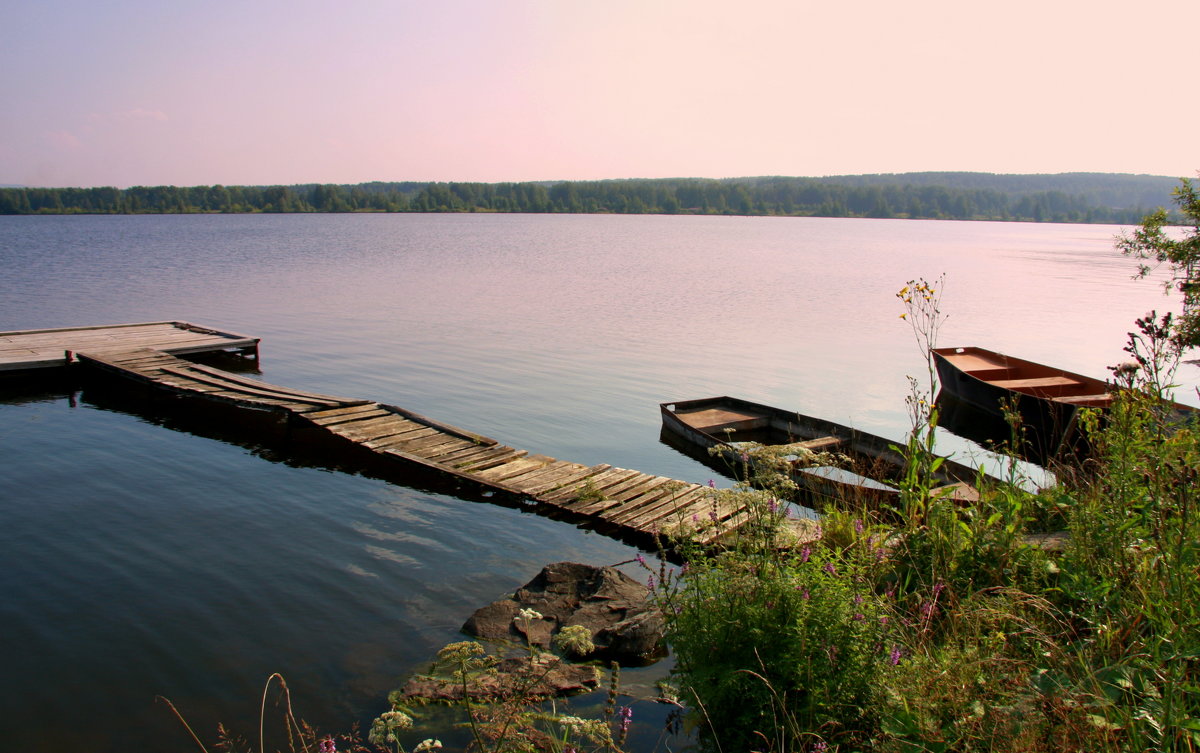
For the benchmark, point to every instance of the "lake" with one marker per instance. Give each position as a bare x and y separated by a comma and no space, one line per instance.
141,556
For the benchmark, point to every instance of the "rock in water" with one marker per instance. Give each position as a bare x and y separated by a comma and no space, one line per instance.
614,608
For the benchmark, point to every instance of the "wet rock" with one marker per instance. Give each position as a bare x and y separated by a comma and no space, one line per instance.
543,675
613,607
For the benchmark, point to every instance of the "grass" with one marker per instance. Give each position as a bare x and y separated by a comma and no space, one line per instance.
931,626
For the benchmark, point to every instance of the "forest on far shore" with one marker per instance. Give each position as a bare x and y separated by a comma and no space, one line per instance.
1067,197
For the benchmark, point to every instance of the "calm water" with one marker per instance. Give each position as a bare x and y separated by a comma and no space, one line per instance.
142,557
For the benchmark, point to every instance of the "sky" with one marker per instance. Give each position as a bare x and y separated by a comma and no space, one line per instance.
260,92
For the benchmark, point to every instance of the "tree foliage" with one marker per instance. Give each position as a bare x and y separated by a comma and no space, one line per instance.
958,196
1151,242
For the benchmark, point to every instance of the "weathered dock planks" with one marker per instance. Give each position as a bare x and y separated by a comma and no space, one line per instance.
50,348
618,501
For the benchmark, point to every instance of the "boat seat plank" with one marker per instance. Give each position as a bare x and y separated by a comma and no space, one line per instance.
1034,382
820,444
718,420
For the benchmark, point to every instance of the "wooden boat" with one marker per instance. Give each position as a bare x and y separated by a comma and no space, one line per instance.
1046,399
868,467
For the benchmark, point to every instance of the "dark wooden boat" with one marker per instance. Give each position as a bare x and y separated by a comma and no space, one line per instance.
1046,399
868,468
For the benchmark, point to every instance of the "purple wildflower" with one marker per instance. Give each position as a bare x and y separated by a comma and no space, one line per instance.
712,514
626,716
641,560
820,746
895,657
771,506
883,621
859,617
696,518
711,484
327,745
805,553
830,568
650,582
804,595
858,526
858,599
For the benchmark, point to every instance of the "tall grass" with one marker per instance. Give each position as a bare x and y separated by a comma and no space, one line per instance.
954,629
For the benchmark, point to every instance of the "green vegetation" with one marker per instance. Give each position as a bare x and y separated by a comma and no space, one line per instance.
961,627
1182,254
1074,197
957,629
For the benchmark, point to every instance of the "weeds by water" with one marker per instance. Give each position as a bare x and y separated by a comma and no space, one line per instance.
945,628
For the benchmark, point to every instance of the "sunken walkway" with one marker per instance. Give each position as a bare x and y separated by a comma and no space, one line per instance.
624,503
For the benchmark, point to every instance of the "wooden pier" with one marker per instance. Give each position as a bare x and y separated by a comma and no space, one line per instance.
626,503
51,348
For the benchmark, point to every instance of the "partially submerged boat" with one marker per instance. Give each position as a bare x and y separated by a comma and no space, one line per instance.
1045,399
828,461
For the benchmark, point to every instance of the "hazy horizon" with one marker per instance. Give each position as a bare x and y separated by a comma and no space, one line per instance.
282,93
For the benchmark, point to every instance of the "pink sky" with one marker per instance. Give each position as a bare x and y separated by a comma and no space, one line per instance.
146,92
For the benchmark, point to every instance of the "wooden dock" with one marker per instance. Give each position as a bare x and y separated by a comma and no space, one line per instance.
625,503
51,348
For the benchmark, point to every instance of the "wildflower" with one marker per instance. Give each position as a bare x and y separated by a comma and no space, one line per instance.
820,746
883,621
805,553
327,745
712,514
576,639
858,526
858,599
859,617
383,729
711,484
626,716
427,744
529,614
650,582
830,568
696,518
804,594
641,560
895,657
771,506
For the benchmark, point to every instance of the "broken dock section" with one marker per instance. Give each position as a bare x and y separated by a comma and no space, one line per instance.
625,503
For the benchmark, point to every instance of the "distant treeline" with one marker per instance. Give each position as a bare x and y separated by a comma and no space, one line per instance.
1071,197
